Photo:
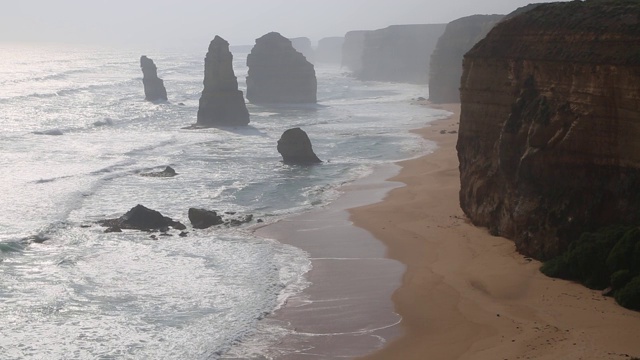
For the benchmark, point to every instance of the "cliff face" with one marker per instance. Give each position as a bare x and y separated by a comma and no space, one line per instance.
278,73
446,60
399,53
352,49
154,89
329,50
548,141
221,103
303,46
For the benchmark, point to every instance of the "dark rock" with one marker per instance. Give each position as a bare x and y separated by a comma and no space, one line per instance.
259,221
202,219
278,73
420,98
239,221
183,234
142,218
549,124
303,46
154,89
329,50
167,172
446,60
221,103
399,53
113,229
180,104
295,147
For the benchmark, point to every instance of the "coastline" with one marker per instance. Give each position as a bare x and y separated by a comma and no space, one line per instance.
399,273
469,295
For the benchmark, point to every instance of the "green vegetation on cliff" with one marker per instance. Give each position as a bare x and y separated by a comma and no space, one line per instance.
608,258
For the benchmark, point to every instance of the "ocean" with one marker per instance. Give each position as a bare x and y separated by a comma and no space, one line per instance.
77,134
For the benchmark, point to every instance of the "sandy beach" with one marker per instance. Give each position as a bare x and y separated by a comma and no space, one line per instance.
413,279
469,295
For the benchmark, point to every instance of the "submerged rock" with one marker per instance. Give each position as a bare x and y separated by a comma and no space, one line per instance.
167,172
154,89
278,73
295,147
221,103
142,218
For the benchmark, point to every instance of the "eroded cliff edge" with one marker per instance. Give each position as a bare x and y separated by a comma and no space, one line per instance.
550,124
446,60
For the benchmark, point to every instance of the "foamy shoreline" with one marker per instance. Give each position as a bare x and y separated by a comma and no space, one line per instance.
461,293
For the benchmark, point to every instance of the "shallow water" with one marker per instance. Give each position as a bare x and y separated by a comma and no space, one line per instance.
76,135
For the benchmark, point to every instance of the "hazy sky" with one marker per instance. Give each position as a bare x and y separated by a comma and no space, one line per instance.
191,22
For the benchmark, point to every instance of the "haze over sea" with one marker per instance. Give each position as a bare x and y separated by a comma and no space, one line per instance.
76,135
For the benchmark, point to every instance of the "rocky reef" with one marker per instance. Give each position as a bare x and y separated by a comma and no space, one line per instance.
550,121
303,46
154,89
278,73
399,53
329,50
446,60
221,103
352,50
295,147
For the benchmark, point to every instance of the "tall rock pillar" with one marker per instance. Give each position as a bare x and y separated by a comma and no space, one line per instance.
221,103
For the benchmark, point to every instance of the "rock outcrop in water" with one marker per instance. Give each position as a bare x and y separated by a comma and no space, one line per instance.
548,141
399,53
278,73
221,103
154,89
295,147
141,218
352,50
446,60
167,172
303,46
329,50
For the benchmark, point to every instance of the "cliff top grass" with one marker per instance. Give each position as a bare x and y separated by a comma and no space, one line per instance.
595,31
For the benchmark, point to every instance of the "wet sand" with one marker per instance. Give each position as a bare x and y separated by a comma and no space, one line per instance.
414,280
469,295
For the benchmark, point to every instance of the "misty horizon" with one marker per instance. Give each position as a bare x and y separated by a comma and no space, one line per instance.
172,23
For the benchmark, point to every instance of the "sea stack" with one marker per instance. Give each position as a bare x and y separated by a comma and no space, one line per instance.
295,147
221,103
154,89
303,46
446,60
550,121
278,73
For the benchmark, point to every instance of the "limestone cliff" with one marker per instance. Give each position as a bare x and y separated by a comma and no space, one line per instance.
399,53
278,73
154,89
550,121
446,60
303,46
330,50
352,49
221,103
